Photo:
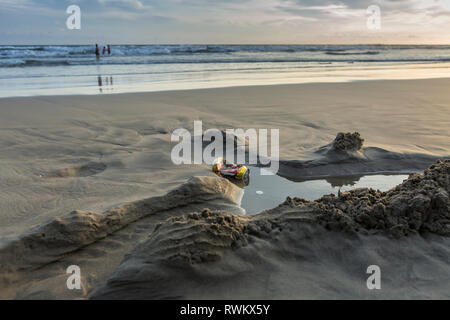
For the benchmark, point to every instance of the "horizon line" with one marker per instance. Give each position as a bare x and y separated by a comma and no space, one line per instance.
231,44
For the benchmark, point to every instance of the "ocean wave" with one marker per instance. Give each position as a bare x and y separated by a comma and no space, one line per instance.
131,50
340,53
30,56
32,63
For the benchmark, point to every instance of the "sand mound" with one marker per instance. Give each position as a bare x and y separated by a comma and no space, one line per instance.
348,141
420,204
205,234
346,156
182,242
345,145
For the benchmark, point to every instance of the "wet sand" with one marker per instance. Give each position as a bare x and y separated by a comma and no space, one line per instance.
95,154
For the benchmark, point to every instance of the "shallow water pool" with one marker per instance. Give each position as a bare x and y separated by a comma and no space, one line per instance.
265,192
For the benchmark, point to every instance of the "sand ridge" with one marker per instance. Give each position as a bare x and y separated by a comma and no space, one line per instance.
210,247
52,240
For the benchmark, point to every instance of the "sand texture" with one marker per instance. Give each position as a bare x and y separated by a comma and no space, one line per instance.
273,254
88,181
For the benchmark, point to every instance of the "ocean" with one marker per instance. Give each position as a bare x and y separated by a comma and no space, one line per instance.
59,69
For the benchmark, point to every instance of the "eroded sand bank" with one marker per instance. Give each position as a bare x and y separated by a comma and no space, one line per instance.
301,249
167,247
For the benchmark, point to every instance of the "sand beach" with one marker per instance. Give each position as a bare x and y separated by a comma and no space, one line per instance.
88,180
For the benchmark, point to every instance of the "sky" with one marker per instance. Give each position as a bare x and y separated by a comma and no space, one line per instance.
225,22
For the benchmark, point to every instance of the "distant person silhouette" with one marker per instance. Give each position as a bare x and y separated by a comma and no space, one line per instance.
109,49
97,52
104,51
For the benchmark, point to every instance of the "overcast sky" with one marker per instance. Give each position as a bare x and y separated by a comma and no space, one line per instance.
224,21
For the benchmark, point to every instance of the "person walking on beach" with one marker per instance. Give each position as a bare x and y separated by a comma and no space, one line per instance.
97,52
109,49
104,51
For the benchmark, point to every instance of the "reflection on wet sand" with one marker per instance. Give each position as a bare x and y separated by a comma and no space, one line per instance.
108,86
343,181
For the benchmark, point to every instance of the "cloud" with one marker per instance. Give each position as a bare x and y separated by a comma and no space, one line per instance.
126,4
236,20
15,4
